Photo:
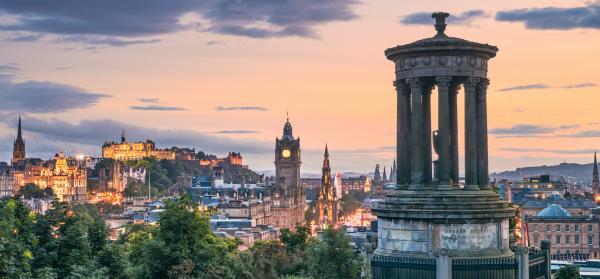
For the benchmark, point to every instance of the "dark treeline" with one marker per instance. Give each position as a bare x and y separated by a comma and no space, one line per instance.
72,242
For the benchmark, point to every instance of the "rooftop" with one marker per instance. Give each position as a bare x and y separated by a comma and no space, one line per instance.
554,211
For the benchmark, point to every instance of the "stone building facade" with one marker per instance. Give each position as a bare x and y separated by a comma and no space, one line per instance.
575,205
287,194
125,150
62,174
572,237
6,181
258,210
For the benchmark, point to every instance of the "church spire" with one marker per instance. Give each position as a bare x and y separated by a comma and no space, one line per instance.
384,175
326,158
19,135
19,145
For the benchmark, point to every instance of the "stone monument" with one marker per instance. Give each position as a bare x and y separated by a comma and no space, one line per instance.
430,225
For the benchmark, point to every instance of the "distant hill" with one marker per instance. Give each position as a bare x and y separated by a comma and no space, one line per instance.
569,171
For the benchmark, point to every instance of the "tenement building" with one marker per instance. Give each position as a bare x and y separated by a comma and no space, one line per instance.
573,237
6,181
287,195
430,226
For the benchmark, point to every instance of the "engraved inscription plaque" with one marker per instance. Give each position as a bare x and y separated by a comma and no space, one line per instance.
469,236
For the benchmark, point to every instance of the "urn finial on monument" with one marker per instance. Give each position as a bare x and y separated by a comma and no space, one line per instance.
440,22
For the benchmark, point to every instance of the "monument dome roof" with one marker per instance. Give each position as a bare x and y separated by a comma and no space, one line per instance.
554,211
441,43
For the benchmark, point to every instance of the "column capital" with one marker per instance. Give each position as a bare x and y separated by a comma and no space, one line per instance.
400,86
483,84
414,82
443,81
472,81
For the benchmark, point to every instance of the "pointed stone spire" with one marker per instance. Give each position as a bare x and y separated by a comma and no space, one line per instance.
19,145
19,135
123,139
376,175
384,175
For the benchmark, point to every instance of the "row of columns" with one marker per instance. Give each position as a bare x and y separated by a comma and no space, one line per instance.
414,132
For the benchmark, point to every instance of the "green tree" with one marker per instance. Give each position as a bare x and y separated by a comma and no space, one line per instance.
31,190
297,240
17,239
568,272
136,189
182,246
333,258
114,259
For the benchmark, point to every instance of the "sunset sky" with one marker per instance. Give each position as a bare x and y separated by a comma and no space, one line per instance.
219,75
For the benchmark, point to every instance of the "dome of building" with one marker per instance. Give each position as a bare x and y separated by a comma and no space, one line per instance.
554,211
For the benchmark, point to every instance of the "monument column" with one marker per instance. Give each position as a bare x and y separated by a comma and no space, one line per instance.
444,137
482,140
403,134
452,101
416,133
427,164
471,133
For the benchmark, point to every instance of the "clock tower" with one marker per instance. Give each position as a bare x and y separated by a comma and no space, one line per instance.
287,195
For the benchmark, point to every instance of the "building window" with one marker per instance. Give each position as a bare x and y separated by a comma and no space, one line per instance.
567,239
535,227
547,228
558,228
590,228
576,239
576,227
567,228
590,240
558,239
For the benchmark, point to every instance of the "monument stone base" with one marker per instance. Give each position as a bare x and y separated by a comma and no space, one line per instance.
420,230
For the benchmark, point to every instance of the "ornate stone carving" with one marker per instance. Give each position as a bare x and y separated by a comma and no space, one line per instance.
412,62
459,60
427,61
443,60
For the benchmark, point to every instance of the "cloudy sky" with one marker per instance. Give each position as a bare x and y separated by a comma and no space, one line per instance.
219,75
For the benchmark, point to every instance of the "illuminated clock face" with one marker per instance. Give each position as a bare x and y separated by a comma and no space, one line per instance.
286,153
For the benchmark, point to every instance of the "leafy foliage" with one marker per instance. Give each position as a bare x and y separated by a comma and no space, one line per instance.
72,242
568,272
31,190
333,257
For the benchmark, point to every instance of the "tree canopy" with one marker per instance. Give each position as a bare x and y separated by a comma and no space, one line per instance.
72,242
568,272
